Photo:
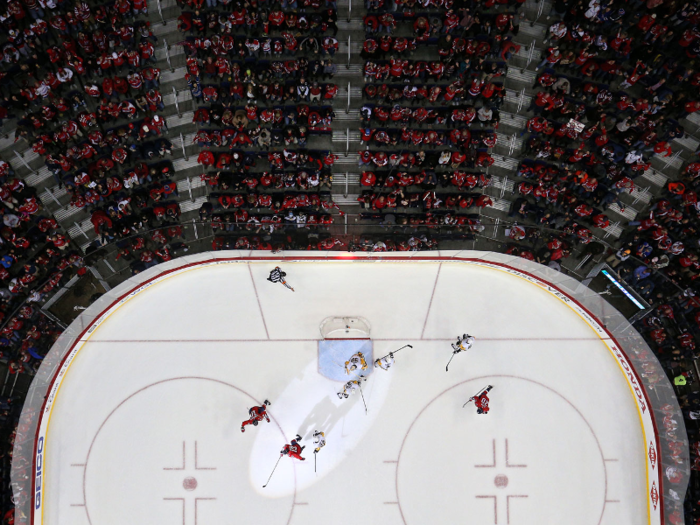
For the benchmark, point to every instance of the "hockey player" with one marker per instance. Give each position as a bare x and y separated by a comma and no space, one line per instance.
463,343
385,362
277,276
256,415
481,401
356,360
350,387
294,449
319,441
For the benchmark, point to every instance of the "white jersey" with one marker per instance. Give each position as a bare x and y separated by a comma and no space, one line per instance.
355,362
319,440
384,362
350,388
465,343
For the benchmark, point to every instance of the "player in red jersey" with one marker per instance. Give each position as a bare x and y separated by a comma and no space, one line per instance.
481,400
294,449
256,415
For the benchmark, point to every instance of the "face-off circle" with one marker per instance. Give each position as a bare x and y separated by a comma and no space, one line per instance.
179,464
491,464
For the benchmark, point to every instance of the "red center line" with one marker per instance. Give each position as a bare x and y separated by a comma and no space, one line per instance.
258,299
430,304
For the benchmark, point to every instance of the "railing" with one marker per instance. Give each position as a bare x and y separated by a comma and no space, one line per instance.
349,11
540,9
160,13
81,230
671,159
504,183
177,104
50,194
184,151
347,110
166,47
521,100
26,165
349,51
511,145
530,53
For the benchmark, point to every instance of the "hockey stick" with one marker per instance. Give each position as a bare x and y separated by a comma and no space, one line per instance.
451,358
363,396
285,283
396,351
273,471
315,462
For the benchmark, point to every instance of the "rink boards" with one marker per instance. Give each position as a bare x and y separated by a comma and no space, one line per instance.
425,314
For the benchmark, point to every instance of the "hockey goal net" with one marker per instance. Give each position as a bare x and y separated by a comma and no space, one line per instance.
345,328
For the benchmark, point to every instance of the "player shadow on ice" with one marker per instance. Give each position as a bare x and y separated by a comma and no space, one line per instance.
325,415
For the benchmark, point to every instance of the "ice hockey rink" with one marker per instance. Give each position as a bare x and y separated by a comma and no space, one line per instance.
144,427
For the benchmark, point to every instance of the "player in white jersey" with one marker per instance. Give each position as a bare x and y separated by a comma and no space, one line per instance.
463,343
319,440
350,387
385,362
356,361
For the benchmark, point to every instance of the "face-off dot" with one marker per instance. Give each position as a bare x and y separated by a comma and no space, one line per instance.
191,483
501,481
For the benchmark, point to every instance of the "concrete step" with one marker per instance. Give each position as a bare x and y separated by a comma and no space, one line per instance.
500,204
536,30
354,24
342,136
514,97
688,142
614,229
628,212
502,183
352,71
655,177
353,116
509,141
346,179
521,75
352,159
346,200
504,162
513,120
355,48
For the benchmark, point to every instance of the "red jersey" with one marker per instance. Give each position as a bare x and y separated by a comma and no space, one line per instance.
482,402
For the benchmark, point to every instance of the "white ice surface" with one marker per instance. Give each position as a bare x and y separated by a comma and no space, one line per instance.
176,367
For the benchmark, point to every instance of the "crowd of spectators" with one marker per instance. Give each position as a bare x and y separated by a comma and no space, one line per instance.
434,83
263,74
